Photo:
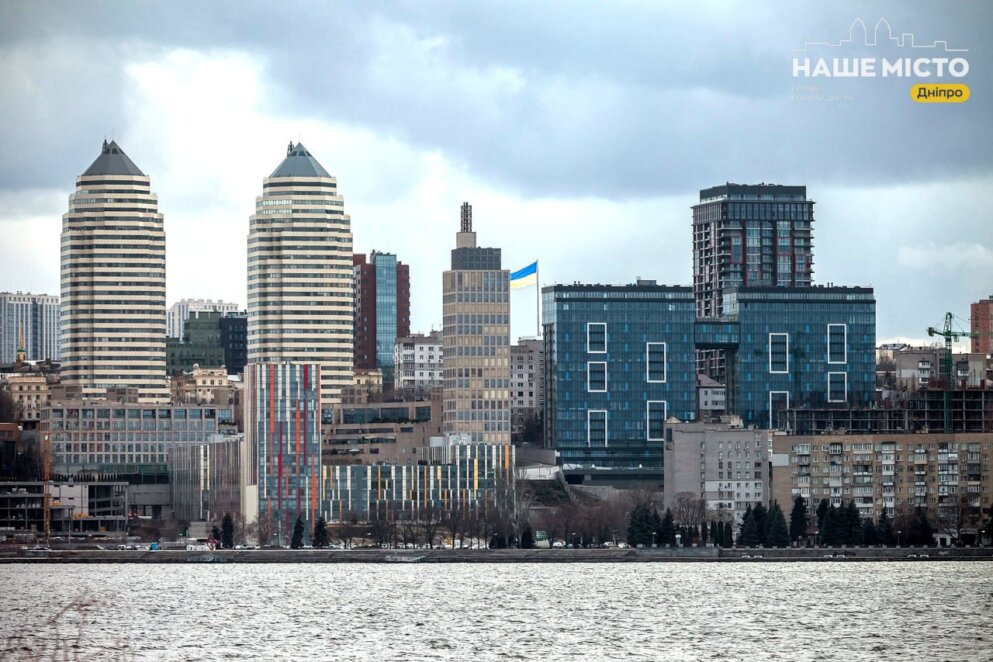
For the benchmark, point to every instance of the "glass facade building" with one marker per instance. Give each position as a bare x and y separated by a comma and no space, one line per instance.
619,360
283,426
382,311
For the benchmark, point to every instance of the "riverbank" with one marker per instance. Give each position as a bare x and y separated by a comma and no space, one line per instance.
692,554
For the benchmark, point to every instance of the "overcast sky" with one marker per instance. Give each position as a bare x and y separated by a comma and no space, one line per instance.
580,132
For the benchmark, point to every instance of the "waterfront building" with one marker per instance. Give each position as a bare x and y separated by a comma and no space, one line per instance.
619,361
200,345
205,479
457,476
947,475
300,272
29,321
113,317
77,507
183,309
527,362
381,432
418,363
382,311
724,464
476,340
234,341
283,437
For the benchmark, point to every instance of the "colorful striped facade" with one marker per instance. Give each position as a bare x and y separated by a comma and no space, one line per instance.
456,476
284,421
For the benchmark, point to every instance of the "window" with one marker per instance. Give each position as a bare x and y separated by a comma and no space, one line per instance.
778,401
779,353
655,353
655,419
837,386
596,377
596,337
837,343
596,427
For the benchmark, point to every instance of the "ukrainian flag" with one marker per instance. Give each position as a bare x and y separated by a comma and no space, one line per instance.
525,277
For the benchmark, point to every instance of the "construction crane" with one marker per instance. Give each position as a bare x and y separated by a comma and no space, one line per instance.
950,336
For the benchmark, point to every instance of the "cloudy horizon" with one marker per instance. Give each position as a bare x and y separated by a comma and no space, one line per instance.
580,134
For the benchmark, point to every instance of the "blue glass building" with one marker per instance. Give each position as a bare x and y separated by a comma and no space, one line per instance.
619,360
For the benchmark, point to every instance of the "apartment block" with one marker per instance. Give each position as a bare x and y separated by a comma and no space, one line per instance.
32,319
419,365
527,396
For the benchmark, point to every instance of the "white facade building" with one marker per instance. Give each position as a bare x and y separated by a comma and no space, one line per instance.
418,361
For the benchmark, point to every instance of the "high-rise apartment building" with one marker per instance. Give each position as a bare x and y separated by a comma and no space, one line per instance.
526,385
981,325
418,363
300,272
33,317
476,340
382,311
750,235
181,311
113,281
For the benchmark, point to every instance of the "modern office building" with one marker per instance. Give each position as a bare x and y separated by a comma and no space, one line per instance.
724,464
283,436
205,479
382,310
526,385
300,272
234,341
619,361
77,507
200,345
794,347
33,319
418,363
948,475
459,476
381,432
113,281
183,309
476,340
103,436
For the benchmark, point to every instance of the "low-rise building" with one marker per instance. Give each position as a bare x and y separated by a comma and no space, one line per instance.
378,433
948,475
724,464
205,479
205,386
76,507
30,391
711,398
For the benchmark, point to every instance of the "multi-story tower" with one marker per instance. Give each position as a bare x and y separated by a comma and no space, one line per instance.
180,311
300,272
417,360
750,235
382,310
981,325
526,385
33,316
476,340
113,281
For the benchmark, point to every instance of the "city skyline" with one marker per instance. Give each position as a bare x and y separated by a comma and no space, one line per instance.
602,206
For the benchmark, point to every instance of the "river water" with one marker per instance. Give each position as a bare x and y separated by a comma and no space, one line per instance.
639,611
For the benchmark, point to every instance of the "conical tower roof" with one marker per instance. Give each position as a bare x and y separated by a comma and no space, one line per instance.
113,161
299,163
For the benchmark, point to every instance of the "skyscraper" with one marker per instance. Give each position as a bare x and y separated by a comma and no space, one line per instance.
113,281
476,340
382,310
33,316
300,272
750,235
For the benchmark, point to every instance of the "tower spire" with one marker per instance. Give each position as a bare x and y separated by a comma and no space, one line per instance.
466,217
21,352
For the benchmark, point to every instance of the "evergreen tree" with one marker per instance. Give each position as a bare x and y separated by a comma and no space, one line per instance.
227,532
667,529
655,526
640,526
779,532
920,530
798,519
761,517
884,530
527,538
296,542
727,537
320,535
215,534
704,533
750,531
748,513
832,532
822,509
853,524
869,533
716,534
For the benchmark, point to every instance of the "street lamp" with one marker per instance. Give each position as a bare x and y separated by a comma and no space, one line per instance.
898,537
653,539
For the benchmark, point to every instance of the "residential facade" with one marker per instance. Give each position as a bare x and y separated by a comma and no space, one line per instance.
476,340
300,272
527,401
33,319
113,317
619,361
418,361
382,311
981,325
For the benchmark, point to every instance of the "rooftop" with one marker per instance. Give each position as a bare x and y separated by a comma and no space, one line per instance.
113,161
299,163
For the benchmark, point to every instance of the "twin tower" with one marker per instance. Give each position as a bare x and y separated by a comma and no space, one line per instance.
113,271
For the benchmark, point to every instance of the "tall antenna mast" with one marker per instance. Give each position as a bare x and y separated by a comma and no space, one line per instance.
466,217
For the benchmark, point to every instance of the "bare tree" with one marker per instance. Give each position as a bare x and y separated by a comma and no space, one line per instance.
263,527
689,509
431,519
